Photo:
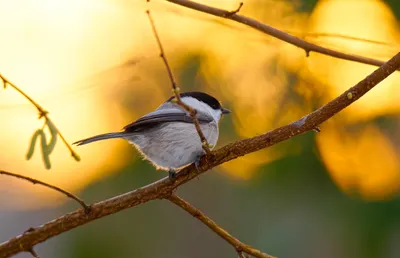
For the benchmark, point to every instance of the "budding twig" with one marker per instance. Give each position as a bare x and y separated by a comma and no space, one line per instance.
42,114
192,112
235,11
35,181
240,247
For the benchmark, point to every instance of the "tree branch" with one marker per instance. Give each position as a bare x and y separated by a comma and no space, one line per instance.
236,243
307,46
42,113
163,188
239,246
192,112
35,181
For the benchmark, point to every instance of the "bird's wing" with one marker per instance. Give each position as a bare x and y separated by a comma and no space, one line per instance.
163,116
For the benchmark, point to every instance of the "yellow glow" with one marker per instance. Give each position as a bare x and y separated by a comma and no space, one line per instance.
242,66
373,20
364,161
56,52
50,46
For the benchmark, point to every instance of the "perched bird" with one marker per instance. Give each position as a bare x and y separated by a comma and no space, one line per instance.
167,137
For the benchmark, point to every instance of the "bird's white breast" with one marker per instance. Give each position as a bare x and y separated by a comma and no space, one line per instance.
174,145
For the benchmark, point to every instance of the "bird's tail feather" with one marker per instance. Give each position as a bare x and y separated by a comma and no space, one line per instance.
100,137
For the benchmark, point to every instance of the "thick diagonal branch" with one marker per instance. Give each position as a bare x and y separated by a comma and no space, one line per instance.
307,46
164,187
236,243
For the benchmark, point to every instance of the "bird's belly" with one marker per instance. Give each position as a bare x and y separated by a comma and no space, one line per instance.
172,157
174,146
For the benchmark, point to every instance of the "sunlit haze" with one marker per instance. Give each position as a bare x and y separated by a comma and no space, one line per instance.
94,65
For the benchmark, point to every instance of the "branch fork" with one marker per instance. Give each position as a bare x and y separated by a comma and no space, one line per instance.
48,122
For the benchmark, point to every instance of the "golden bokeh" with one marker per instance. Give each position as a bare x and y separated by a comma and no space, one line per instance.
374,20
362,162
50,48
57,51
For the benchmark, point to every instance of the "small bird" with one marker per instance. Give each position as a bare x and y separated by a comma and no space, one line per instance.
167,137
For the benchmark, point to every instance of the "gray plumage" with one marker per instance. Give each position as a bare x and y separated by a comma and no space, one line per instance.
167,137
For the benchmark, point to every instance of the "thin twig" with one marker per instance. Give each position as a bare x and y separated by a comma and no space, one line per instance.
236,243
42,113
236,10
342,36
192,112
307,46
33,253
241,254
163,188
35,181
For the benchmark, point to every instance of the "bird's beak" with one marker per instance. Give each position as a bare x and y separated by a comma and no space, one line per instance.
225,111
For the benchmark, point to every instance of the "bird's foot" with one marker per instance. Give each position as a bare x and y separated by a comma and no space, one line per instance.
197,164
171,174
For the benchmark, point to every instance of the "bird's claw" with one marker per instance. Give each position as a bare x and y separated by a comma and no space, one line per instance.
171,174
197,164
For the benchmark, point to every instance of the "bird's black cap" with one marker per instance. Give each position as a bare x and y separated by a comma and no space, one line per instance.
201,96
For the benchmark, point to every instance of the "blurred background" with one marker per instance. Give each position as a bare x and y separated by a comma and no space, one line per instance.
94,65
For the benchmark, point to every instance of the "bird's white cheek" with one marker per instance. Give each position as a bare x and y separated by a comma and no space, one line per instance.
216,114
